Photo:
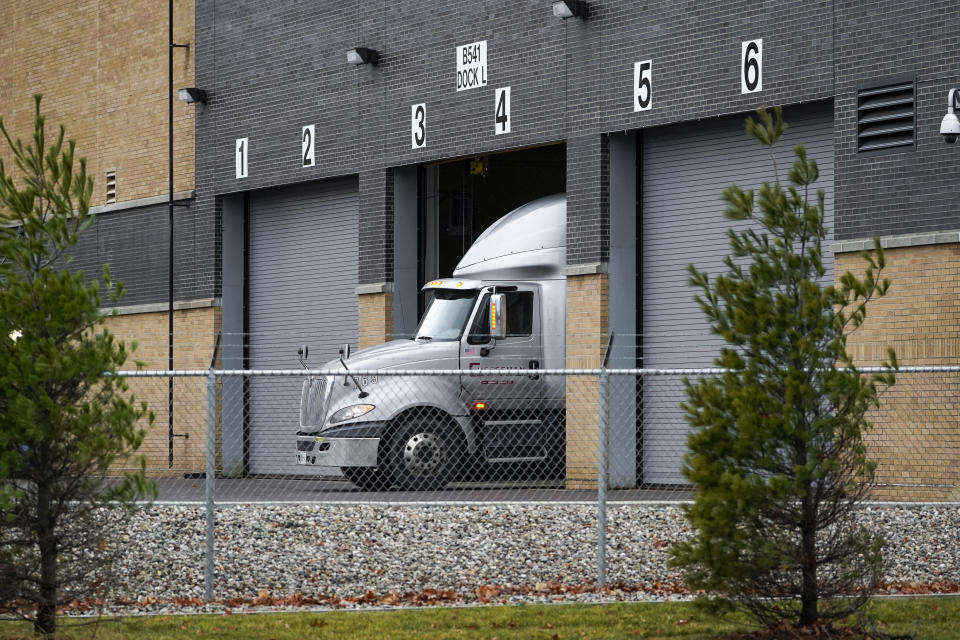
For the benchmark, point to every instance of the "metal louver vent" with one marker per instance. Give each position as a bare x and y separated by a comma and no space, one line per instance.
885,117
111,183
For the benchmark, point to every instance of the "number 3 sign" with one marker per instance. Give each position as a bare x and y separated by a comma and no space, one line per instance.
418,126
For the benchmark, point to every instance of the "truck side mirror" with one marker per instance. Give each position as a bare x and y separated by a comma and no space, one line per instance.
345,351
302,354
498,316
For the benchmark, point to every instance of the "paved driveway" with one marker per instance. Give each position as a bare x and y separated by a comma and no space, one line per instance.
334,490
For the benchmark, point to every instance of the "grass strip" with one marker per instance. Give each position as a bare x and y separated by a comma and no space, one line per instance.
923,617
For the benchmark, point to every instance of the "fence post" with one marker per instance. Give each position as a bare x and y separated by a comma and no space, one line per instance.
603,455
211,474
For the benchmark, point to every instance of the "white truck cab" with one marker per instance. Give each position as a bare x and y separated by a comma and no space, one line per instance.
504,308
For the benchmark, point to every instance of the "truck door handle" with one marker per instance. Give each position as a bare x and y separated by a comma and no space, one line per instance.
534,364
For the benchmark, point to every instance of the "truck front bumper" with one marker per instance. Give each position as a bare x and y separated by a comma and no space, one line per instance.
347,446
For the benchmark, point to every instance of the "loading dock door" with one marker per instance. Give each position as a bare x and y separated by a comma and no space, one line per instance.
302,279
685,169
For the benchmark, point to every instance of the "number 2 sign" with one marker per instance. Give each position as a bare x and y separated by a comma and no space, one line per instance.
751,66
307,157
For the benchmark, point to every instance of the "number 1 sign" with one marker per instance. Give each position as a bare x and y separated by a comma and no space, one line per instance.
242,151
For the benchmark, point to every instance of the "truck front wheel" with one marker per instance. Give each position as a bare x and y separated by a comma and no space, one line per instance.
425,452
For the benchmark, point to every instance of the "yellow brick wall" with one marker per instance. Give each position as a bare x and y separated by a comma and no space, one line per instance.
375,319
916,435
588,323
101,66
195,333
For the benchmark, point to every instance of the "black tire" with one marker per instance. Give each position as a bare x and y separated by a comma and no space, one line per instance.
425,452
367,478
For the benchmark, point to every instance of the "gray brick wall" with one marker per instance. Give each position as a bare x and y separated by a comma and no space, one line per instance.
914,189
135,243
272,68
376,232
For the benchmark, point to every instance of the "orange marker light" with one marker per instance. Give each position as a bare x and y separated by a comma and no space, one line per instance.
479,406
493,316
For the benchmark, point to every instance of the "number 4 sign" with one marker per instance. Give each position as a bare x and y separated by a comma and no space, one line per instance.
502,113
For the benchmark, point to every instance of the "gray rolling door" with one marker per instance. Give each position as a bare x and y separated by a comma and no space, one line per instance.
685,169
302,278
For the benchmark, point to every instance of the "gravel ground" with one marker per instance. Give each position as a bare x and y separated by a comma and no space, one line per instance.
452,553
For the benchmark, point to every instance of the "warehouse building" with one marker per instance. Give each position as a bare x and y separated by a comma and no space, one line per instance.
102,68
347,153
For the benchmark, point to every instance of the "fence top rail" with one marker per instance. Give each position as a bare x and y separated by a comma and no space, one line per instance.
299,373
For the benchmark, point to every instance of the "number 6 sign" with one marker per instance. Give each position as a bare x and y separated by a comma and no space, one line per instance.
751,66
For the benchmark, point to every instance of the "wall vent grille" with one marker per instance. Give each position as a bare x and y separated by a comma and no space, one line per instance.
111,186
885,117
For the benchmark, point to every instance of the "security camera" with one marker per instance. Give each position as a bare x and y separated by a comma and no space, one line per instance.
950,126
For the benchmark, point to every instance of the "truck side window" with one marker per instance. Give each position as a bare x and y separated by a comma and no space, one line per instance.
519,317
519,314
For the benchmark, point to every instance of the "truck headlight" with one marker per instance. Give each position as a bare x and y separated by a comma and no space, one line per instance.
349,413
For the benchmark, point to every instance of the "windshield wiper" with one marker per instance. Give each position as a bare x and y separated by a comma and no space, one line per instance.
424,338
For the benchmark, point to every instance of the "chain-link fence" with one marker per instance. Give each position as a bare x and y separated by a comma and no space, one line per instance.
448,479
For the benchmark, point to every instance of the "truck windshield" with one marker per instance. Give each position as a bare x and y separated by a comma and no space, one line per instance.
446,315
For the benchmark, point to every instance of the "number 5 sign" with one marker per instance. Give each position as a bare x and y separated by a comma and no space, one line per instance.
643,85
751,66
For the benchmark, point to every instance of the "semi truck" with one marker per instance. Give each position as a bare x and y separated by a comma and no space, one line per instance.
503,310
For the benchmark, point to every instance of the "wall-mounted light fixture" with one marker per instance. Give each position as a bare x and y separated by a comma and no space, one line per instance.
570,9
192,94
950,127
362,55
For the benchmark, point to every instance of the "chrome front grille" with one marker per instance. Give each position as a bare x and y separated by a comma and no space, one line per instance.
313,402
